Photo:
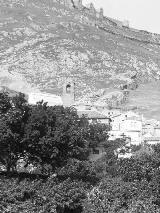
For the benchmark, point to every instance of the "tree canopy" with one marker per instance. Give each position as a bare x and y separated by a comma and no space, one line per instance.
57,142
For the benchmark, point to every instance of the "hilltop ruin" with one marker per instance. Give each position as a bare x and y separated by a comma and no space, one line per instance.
96,16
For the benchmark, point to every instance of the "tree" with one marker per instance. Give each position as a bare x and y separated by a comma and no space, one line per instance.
67,196
115,195
55,134
42,196
108,164
78,170
97,134
13,115
142,166
5,103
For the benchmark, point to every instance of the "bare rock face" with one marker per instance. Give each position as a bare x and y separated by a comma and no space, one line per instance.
44,42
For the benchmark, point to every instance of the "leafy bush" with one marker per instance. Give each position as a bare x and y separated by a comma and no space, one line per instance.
41,196
79,170
114,195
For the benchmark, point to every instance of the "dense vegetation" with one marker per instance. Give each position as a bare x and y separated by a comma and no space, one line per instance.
44,152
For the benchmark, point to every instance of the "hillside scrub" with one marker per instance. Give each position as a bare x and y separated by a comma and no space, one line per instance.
42,43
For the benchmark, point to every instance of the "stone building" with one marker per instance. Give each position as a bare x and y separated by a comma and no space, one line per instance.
128,124
93,115
151,140
133,129
157,131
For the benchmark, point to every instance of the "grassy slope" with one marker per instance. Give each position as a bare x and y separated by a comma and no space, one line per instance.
147,98
44,43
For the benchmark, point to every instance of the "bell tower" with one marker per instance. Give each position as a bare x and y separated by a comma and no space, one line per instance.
68,96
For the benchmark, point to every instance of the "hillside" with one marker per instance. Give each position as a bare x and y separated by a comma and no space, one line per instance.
42,42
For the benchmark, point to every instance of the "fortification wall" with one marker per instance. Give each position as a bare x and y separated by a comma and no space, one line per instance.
91,16
90,10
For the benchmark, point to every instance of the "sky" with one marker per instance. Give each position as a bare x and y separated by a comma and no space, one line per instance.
142,14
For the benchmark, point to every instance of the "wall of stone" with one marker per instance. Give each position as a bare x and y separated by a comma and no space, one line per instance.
94,15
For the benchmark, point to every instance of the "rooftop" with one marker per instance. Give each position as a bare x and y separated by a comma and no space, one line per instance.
91,114
152,139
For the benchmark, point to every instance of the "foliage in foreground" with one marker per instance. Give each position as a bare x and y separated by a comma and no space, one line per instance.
57,141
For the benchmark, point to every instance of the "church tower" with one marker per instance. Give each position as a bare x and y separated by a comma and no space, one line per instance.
101,13
68,96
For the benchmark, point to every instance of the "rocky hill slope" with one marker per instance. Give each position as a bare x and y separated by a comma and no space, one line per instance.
42,42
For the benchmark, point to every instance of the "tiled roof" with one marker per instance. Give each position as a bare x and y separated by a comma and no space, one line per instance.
91,114
133,130
152,139
146,126
134,118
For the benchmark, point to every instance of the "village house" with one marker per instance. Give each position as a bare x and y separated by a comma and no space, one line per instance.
93,115
128,124
133,129
148,127
157,131
151,132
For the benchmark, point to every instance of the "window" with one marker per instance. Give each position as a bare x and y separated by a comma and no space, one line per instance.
96,151
68,88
